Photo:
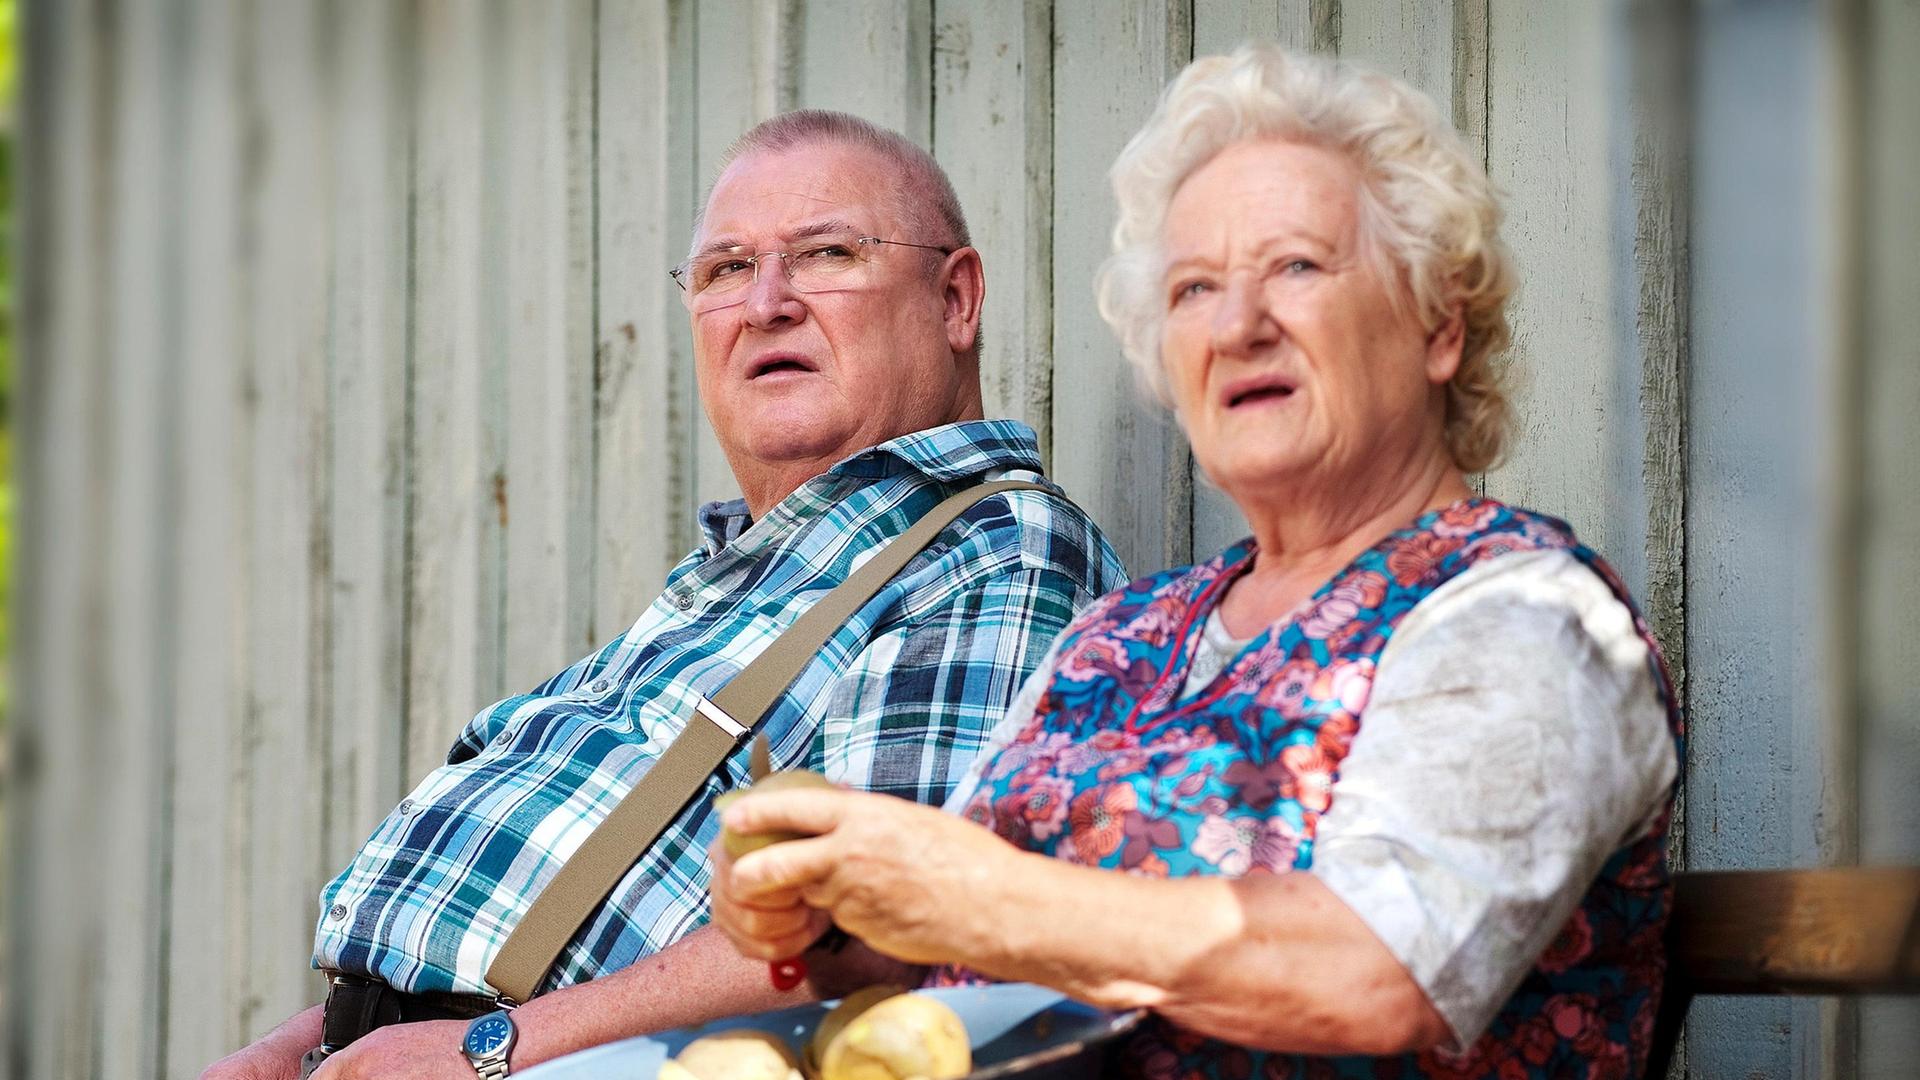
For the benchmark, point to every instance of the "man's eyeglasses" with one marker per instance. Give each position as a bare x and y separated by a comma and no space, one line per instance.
718,279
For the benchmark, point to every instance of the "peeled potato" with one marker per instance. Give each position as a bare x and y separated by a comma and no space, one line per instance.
744,1054
835,1021
738,844
899,1038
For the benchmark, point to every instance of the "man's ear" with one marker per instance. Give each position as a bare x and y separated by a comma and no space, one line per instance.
963,291
1445,345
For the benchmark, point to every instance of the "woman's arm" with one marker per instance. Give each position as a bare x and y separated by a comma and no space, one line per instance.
1271,962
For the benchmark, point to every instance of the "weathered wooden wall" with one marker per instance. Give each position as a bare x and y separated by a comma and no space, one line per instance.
355,395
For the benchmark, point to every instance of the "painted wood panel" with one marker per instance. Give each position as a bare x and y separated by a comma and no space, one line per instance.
208,954
133,728
993,133
282,441
1888,583
1219,26
870,58
1122,459
53,1030
1755,613
1577,434
546,349
645,411
367,283
456,499
1409,39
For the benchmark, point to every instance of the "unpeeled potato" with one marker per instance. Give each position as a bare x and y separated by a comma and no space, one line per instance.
836,1021
899,1037
742,1054
738,844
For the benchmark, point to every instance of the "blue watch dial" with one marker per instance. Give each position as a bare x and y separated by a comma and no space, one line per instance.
488,1034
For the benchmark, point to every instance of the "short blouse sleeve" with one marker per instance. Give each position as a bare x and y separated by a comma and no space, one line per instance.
1514,739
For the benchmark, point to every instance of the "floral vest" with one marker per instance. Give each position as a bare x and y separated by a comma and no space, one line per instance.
1114,771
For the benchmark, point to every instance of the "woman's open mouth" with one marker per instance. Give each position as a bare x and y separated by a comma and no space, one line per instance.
1257,391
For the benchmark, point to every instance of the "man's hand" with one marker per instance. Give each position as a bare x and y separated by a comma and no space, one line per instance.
275,1055
425,1051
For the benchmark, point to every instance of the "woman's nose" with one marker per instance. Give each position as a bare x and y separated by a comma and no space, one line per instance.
1241,322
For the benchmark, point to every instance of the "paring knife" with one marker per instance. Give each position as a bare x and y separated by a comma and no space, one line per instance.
785,974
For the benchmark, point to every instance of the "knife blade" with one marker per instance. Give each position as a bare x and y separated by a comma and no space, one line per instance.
760,759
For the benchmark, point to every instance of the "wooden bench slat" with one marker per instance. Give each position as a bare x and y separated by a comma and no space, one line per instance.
1827,931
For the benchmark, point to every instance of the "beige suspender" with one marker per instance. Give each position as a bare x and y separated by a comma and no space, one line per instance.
721,724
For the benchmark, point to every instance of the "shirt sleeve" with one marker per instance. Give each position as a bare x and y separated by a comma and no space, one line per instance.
1009,726
1514,740
914,710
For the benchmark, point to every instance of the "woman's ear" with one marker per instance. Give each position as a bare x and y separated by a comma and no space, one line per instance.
964,292
1446,343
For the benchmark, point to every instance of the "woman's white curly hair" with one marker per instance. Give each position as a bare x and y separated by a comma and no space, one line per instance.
1429,217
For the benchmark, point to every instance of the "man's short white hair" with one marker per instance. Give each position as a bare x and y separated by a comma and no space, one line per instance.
1429,217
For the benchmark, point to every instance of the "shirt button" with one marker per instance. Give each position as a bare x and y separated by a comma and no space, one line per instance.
503,739
599,686
338,912
683,601
406,807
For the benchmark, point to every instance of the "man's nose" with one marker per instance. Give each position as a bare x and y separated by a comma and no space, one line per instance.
772,299
1241,322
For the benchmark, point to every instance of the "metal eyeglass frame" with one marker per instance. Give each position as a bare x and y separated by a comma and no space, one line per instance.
680,272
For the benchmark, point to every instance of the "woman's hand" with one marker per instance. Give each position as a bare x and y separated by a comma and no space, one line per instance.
912,882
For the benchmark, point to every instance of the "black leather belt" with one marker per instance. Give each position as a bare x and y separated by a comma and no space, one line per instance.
357,1005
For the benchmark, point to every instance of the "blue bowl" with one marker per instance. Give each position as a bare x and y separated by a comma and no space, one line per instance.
1017,1029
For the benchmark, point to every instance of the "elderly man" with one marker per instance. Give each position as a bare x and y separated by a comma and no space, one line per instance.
835,306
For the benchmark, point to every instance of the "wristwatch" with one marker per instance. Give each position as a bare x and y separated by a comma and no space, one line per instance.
488,1041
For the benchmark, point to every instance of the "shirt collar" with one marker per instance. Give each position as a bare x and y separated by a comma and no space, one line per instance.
948,454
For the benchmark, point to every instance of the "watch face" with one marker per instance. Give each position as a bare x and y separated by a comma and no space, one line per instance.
488,1034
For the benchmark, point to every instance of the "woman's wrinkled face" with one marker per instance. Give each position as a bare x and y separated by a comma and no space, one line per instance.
1293,371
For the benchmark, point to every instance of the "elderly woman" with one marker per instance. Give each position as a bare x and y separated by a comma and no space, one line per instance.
1386,784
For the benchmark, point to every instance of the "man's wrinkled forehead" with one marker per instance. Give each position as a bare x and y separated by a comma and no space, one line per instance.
791,194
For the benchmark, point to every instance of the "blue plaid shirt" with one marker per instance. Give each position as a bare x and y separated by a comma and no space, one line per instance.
899,701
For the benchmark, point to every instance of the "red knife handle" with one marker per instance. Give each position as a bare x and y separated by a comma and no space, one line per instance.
787,974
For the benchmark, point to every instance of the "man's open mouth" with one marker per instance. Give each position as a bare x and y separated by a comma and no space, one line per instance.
778,363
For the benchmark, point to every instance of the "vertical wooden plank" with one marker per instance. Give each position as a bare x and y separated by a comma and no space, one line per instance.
1121,458
367,346
643,449
1756,619
993,133
1576,450
548,357
1219,26
285,240
1891,545
456,499
53,1030
1888,51
136,720
209,954
747,70
869,58
1408,39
